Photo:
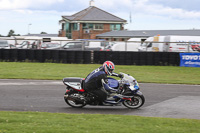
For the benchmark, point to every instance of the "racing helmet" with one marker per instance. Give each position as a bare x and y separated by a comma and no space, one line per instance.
108,67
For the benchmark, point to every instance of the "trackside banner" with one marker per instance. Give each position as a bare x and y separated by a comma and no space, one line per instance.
190,59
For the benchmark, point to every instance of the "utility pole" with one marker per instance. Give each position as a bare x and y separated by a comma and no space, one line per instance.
29,28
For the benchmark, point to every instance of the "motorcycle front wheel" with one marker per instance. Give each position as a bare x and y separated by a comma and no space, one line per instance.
136,102
74,100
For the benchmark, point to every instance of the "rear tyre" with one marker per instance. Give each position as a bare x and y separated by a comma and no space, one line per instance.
136,102
75,100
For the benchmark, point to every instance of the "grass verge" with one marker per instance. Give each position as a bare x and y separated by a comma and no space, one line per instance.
37,122
16,122
54,71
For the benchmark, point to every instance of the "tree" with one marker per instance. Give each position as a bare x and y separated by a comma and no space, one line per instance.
43,32
11,33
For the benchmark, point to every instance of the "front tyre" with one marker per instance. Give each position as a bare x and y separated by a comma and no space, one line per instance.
75,100
136,102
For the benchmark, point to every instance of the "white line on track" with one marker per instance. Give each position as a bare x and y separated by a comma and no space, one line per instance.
31,83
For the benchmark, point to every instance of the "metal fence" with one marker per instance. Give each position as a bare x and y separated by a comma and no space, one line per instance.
97,45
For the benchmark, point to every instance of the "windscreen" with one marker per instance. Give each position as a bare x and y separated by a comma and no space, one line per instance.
131,81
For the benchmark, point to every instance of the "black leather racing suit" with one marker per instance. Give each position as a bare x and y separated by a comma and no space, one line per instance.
93,83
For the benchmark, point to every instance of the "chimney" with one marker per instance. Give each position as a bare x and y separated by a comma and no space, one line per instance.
92,3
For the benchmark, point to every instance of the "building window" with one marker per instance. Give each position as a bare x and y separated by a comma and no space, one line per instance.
93,26
63,26
68,30
98,26
115,27
87,26
75,26
90,26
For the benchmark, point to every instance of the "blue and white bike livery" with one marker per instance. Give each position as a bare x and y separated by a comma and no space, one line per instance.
125,91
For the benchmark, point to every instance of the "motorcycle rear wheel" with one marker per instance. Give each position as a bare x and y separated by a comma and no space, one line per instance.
136,102
72,102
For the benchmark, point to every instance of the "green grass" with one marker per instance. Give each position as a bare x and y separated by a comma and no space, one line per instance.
37,122
53,71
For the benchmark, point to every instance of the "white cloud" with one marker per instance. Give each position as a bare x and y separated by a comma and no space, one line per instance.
149,7
18,20
45,14
143,7
23,4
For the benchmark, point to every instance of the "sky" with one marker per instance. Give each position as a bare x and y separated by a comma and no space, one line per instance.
36,16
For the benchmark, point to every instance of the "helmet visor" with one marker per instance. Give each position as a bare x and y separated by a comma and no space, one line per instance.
111,70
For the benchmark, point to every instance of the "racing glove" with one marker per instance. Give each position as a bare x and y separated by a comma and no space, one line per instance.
120,75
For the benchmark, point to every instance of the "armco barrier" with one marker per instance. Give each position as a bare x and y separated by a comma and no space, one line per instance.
86,57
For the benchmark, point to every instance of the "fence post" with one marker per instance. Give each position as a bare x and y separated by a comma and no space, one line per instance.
92,57
125,45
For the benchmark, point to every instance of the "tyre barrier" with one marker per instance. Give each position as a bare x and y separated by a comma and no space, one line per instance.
138,58
51,56
87,57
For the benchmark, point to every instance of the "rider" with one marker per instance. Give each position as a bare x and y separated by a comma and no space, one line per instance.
93,82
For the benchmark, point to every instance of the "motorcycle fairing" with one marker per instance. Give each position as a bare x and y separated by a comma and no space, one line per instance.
131,82
120,97
107,87
113,83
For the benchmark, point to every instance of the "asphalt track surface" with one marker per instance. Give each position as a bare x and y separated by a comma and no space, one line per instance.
162,100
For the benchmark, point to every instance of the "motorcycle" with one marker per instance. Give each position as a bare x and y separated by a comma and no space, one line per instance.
125,91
